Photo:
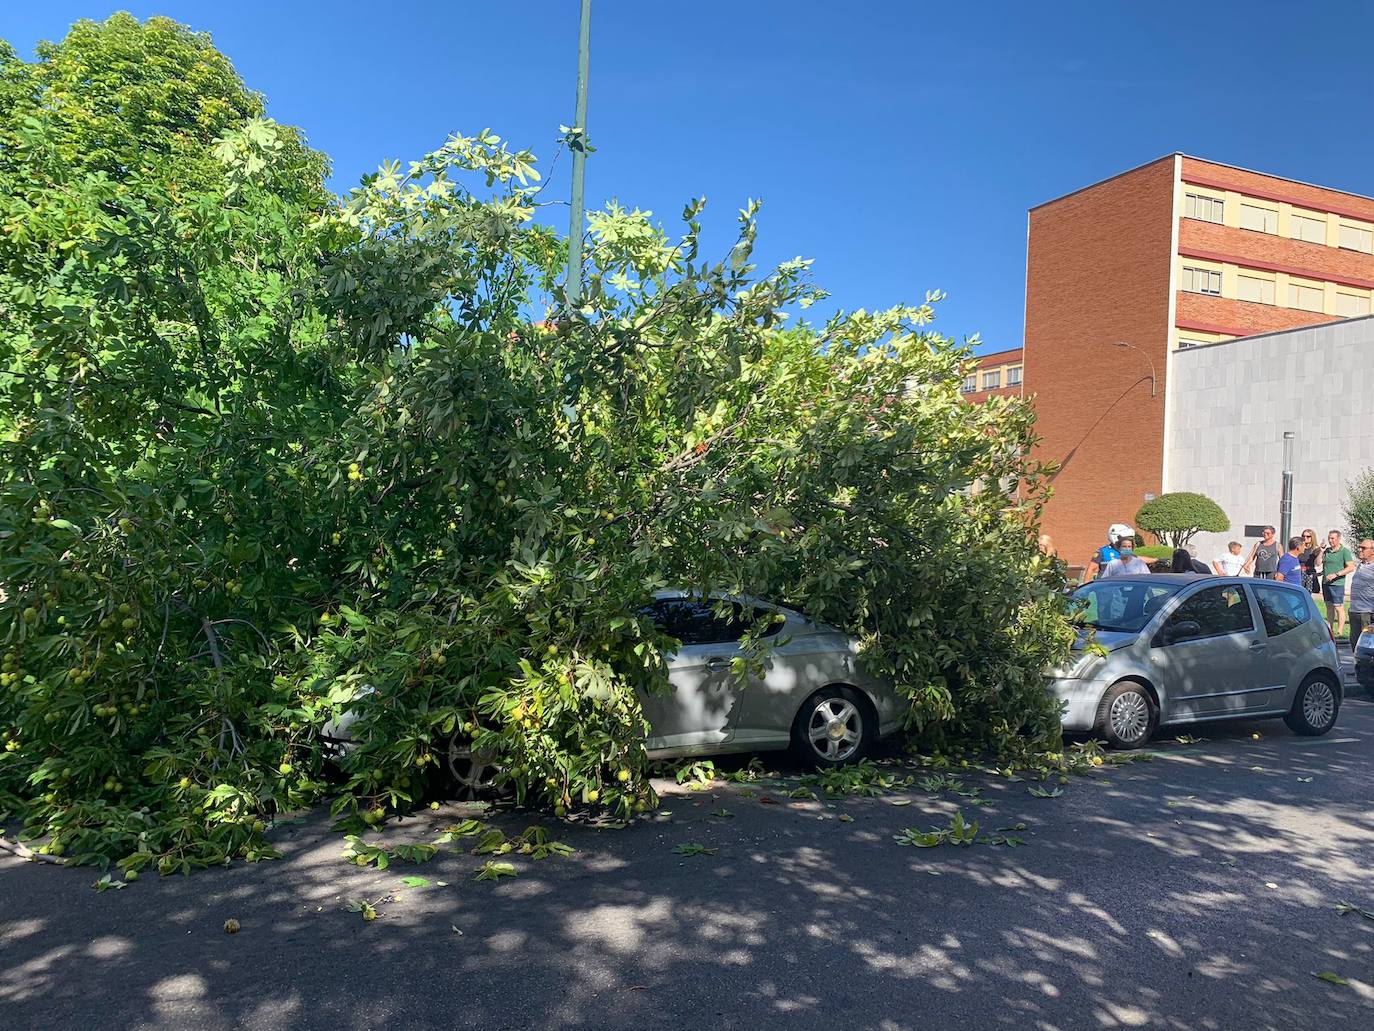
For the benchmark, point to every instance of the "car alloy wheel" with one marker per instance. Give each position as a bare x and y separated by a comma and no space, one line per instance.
835,729
1130,717
1319,704
473,774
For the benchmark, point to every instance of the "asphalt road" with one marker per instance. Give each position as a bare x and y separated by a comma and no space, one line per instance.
1197,891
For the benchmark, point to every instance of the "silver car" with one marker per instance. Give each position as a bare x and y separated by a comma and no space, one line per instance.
1184,648
809,689
801,685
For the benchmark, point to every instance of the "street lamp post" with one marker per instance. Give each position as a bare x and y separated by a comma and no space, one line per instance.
579,157
1286,501
1154,380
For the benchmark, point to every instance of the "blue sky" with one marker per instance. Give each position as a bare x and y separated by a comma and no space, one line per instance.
897,144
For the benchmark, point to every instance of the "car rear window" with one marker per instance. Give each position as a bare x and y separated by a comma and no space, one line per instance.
1283,610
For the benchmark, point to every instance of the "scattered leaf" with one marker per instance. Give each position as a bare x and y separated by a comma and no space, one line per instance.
1304,780
415,882
1045,792
231,926
900,801
107,882
1329,977
1347,907
724,814
493,871
363,906
845,818
691,848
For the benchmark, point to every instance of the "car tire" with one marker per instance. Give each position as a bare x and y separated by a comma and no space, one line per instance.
836,726
1127,716
469,774
1315,706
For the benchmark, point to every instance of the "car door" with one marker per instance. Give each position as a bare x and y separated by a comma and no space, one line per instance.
699,709
1206,653
1283,611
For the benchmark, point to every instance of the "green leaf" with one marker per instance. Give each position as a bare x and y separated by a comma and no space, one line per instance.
492,871
415,882
1329,977
693,849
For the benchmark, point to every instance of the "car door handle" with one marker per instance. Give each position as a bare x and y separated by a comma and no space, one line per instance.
717,663
1258,645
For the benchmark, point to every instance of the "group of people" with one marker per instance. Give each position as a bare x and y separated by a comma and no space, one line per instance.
1344,579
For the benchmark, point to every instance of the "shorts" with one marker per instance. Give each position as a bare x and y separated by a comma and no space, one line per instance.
1334,593
1264,576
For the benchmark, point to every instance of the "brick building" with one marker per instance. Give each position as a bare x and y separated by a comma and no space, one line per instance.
997,375
1122,274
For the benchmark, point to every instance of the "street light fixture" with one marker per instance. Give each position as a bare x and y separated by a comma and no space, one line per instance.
1154,380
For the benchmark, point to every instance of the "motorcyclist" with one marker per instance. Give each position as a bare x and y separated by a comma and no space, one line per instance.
1115,533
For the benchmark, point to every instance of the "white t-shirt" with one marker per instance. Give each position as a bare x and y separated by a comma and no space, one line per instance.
1126,566
1230,564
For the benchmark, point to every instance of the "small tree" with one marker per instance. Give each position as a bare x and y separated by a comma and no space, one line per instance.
1359,505
1175,518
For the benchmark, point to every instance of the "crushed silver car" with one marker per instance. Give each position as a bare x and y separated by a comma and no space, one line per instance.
802,686
1167,649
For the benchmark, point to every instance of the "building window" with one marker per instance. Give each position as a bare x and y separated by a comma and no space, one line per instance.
1202,281
1308,298
1353,238
1351,306
1305,227
992,380
1252,288
1184,343
970,383
1261,220
1014,376
1195,205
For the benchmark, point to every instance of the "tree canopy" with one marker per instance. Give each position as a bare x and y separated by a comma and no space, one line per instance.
266,454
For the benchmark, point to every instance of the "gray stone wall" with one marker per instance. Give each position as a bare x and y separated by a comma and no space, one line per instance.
1232,403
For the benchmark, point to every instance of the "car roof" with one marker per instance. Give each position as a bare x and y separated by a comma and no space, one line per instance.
1183,579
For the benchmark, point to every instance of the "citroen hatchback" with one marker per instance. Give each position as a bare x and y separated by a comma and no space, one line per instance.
1167,649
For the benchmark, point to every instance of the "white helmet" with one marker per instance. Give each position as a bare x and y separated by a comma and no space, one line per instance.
1119,531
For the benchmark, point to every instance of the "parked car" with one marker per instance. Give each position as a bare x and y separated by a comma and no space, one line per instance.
1169,649
813,693
1364,660
809,690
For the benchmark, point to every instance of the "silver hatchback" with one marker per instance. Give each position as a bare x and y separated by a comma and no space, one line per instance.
1162,650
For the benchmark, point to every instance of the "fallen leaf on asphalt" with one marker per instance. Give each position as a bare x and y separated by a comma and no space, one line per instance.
1013,827
900,801
1270,884
454,928
691,848
724,814
1257,769
1329,977
768,800
845,818
415,882
107,882
1304,780
1045,792
231,926
494,871
1348,907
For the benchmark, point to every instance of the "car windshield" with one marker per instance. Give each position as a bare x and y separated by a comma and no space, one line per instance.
1120,605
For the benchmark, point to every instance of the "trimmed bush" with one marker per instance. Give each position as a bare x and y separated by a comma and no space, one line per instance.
1177,517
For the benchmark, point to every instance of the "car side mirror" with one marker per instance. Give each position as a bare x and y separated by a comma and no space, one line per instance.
1182,631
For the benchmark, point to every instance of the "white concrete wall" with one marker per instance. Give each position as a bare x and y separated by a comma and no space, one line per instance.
1233,401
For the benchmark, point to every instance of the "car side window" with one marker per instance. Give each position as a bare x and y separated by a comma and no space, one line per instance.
696,622
1280,609
1216,610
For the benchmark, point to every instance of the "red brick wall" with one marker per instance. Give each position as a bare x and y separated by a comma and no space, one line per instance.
1239,318
1318,198
1314,260
1097,271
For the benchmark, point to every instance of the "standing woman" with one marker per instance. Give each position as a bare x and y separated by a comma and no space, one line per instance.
1309,557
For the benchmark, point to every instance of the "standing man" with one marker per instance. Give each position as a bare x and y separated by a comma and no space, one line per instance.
1290,563
1362,592
1103,556
1337,562
1263,560
1126,563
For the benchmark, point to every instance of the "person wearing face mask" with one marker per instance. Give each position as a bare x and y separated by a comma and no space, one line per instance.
1126,562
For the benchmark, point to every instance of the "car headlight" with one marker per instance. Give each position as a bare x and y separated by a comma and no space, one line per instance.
1079,667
